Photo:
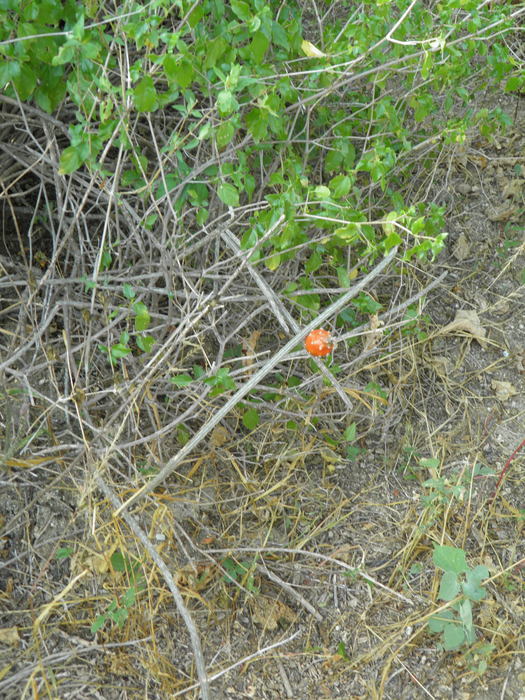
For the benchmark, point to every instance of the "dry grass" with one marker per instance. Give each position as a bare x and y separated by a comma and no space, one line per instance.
263,561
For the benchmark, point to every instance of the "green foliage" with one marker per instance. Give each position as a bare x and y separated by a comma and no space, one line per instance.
352,450
442,490
220,381
231,56
250,419
117,351
240,572
455,624
119,609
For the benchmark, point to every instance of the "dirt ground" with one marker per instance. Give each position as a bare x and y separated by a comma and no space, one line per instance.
265,533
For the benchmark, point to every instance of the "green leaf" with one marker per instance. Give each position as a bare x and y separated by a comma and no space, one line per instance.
66,53
64,552
119,616
142,318
373,388
224,134
465,613
350,433
515,82
340,186
181,380
130,596
214,50
391,241
333,161
70,160
183,435
257,123
145,95
119,350
226,103
343,277
438,622
322,192
450,559
98,624
8,71
366,304
241,9
258,47
25,82
471,587
279,36
145,343
250,419
128,291
118,561
453,636
180,71
228,194
449,587
429,462
313,263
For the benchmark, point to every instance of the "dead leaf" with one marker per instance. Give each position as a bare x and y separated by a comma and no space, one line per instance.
267,612
9,635
372,337
513,189
310,50
503,390
441,365
249,346
219,436
503,213
468,322
25,463
99,563
461,250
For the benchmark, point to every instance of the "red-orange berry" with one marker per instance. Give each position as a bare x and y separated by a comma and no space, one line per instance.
319,343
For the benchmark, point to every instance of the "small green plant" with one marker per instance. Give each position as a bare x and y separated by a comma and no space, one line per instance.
350,436
141,320
240,572
220,381
415,323
455,624
444,489
118,350
118,609
478,657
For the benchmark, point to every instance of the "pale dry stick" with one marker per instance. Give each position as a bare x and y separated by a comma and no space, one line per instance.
282,314
284,678
316,555
414,678
253,381
291,591
242,661
152,365
177,597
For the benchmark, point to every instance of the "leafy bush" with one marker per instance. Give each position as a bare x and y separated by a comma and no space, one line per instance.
265,111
